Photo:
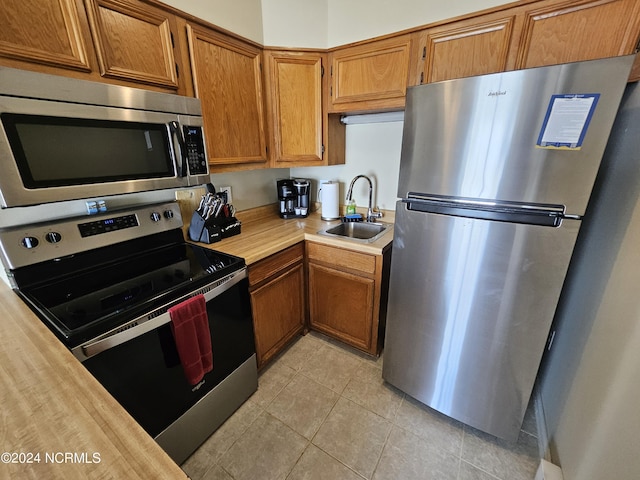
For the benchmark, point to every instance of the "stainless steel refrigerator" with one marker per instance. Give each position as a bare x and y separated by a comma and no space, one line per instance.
495,176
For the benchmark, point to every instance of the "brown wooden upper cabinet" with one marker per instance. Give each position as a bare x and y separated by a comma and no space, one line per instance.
574,31
524,36
228,81
370,76
301,132
133,42
53,33
116,41
465,48
294,101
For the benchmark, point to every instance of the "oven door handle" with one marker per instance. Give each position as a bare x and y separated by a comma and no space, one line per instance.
113,339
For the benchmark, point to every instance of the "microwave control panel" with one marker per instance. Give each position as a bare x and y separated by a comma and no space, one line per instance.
196,157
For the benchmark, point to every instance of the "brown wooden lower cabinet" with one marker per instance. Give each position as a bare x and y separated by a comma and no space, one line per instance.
347,295
277,290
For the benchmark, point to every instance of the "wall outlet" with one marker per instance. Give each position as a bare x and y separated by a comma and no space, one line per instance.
226,190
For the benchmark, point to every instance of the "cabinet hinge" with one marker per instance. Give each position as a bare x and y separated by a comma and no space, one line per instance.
424,52
321,71
331,70
421,78
322,149
173,43
177,70
331,90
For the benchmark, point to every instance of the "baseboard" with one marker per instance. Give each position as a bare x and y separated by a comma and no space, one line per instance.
548,471
541,425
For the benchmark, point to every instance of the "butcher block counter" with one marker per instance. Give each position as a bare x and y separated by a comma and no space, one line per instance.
264,233
57,421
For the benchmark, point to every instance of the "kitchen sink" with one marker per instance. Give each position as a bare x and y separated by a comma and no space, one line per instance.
361,231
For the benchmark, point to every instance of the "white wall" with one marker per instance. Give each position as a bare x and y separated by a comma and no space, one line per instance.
372,150
323,23
589,382
598,437
354,20
252,188
243,17
295,23
597,434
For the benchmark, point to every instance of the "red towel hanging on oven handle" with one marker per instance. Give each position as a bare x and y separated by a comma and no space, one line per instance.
190,327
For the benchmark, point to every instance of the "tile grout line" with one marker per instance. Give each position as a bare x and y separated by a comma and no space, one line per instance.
360,363
235,440
293,467
460,455
386,440
339,396
296,368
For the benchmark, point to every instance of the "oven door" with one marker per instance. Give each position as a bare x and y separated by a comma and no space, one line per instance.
141,369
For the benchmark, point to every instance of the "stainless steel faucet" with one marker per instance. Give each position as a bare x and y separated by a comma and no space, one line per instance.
371,215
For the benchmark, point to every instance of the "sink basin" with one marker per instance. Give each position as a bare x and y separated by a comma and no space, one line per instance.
362,231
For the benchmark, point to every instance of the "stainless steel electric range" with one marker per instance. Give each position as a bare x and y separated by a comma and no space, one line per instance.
104,283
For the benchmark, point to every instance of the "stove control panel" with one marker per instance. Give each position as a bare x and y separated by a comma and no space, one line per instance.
106,225
30,244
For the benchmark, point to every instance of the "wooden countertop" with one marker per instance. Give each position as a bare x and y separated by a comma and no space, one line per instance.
52,406
58,416
264,233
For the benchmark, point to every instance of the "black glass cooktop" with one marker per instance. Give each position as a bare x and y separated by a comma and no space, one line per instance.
94,299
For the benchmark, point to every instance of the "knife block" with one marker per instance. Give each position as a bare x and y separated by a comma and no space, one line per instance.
214,229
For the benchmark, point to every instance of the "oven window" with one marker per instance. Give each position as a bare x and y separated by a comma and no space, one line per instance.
145,374
57,151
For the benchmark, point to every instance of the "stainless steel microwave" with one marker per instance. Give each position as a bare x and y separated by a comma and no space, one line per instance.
68,139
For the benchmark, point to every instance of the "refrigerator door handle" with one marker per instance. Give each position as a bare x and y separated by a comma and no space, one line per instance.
516,212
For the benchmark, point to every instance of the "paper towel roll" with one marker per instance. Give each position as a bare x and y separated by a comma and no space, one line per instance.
330,199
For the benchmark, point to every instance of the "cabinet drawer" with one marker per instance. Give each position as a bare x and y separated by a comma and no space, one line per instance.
342,258
264,269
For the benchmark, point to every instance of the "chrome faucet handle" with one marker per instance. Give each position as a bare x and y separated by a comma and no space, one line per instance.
373,215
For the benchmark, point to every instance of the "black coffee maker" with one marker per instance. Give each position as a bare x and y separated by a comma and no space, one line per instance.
293,197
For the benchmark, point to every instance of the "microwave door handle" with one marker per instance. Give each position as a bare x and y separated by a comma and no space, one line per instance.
177,133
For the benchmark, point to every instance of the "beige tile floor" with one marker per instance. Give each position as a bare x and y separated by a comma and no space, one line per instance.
322,411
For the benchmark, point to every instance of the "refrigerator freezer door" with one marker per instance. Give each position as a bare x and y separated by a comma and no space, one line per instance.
469,313
477,137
